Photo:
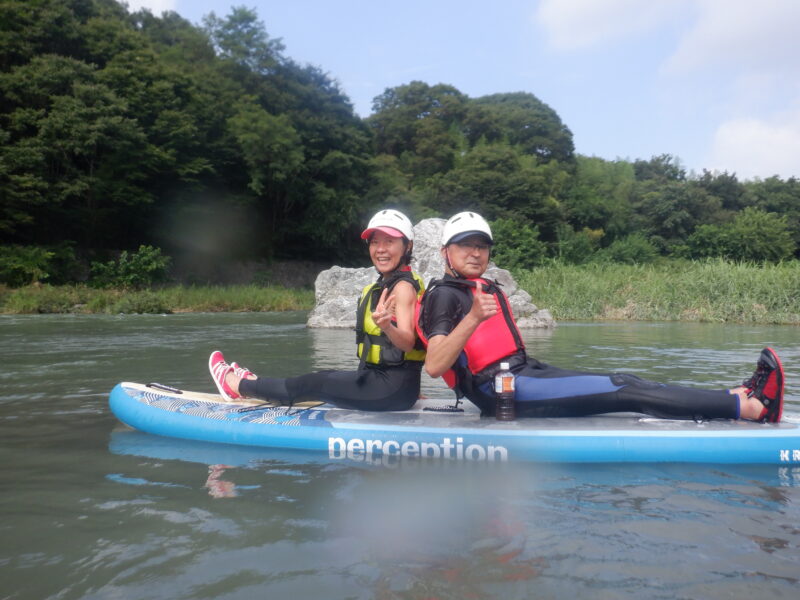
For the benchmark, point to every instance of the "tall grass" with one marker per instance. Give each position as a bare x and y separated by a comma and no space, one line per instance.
709,291
81,299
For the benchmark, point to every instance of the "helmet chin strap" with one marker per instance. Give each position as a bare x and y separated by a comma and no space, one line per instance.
449,265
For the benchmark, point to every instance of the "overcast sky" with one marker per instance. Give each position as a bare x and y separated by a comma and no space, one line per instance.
715,83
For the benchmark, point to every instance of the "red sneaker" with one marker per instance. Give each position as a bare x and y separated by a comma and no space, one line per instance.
766,384
241,372
219,369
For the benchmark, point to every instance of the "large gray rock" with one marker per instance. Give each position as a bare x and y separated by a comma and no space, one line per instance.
337,289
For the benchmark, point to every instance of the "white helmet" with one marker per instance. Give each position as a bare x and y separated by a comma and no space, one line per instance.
390,222
463,225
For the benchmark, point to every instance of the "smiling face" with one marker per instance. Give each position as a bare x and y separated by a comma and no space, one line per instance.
469,257
386,251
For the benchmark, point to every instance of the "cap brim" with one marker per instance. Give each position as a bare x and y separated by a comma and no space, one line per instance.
467,234
391,231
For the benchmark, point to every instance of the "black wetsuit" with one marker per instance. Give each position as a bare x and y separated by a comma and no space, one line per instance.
546,391
371,387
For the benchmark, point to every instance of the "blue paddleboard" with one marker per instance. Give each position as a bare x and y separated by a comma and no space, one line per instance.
427,432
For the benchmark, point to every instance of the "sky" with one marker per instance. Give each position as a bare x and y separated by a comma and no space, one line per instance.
715,83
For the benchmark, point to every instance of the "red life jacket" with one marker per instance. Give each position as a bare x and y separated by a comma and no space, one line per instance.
493,340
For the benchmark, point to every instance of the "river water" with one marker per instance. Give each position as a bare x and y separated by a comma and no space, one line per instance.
89,509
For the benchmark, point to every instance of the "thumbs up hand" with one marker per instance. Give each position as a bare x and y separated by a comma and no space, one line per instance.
484,306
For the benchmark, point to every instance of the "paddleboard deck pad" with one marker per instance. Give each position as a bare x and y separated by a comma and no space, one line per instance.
428,432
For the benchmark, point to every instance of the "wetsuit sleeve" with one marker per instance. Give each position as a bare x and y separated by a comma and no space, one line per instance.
443,311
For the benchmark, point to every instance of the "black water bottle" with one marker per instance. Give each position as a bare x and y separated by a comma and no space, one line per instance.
504,392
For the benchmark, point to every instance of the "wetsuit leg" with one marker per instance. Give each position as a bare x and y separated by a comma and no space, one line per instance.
546,391
265,388
371,389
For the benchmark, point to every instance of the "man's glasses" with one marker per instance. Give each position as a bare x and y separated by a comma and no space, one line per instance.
472,246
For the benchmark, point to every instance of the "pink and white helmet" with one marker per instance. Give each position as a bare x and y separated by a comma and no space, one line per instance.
391,222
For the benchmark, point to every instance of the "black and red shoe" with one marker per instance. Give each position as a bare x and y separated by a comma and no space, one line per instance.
766,384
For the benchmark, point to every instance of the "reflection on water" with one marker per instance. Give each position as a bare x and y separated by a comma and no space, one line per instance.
92,510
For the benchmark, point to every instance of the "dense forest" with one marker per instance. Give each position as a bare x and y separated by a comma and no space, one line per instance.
119,130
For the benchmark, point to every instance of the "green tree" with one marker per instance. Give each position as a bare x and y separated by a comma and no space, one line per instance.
762,236
327,196
419,124
270,147
777,196
108,35
30,28
527,122
668,211
482,123
599,197
662,168
286,145
161,98
242,39
23,265
753,235
724,186
69,150
499,182
631,249
577,247
176,40
517,245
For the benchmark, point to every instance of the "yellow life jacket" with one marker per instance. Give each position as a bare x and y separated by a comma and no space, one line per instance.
373,345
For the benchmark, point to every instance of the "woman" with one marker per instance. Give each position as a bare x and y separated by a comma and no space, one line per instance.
391,356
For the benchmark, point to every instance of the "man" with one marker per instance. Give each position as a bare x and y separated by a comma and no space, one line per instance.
469,329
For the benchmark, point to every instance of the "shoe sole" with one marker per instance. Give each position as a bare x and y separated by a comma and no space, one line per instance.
779,369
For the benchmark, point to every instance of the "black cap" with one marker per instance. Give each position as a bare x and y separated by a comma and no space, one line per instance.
465,234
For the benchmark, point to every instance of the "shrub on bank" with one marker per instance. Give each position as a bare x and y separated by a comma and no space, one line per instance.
632,250
23,265
26,265
135,270
754,235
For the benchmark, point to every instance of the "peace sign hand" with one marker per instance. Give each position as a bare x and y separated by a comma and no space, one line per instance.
384,310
